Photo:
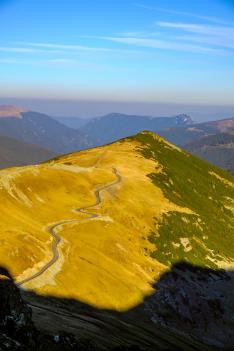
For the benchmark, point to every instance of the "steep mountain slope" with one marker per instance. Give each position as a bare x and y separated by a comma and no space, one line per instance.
217,149
188,134
40,129
17,153
115,126
73,122
105,226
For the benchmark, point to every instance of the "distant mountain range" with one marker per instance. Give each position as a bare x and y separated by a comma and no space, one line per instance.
211,141
188,134
67,134
217,149
115,126
180,130
40,129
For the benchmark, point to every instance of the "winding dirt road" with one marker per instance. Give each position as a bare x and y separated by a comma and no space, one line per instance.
52,230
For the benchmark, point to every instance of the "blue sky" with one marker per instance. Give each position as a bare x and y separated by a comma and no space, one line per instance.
151,51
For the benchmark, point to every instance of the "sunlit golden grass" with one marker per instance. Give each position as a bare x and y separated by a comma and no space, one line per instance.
104,261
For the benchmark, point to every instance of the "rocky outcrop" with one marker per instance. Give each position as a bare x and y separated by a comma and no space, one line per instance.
193,301
16,325
17,332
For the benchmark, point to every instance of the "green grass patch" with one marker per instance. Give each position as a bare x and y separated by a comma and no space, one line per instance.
187,182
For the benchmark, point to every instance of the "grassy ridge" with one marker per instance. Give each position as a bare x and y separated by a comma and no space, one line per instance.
190,182
168,206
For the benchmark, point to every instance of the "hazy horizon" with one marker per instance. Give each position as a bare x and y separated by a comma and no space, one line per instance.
90,109
179,53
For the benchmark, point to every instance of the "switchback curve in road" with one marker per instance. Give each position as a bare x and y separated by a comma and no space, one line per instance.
56,239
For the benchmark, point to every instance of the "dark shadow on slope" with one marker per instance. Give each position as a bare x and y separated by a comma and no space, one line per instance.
191,309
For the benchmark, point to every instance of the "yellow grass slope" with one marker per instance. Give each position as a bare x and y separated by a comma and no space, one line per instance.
104,261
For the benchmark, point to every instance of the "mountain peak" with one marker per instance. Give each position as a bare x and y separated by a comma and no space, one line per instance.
149,133
184,119
11,111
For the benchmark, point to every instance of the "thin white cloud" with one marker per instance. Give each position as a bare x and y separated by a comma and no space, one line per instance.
167,45
14,61
209,40
25,50
35,62
183,13
62,61
190,37
59,63
67,47
219,31
139,34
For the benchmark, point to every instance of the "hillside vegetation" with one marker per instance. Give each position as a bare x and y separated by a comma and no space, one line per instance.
122,214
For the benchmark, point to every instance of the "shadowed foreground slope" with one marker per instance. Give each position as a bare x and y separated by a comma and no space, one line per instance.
191,309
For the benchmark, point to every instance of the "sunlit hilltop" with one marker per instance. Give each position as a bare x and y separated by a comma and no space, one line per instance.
101,225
